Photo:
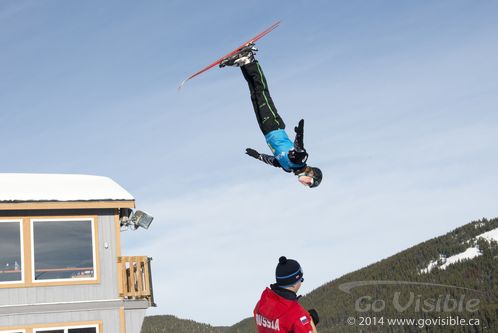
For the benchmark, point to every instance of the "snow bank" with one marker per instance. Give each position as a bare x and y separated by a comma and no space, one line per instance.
432,264
468,254
490,235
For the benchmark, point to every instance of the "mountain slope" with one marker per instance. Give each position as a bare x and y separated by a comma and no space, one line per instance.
425,283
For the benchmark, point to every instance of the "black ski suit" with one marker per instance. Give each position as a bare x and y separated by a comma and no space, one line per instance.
291,157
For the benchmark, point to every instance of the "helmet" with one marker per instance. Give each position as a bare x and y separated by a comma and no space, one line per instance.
317,177
314,173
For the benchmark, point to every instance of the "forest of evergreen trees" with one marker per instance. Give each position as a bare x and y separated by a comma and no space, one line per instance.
467,290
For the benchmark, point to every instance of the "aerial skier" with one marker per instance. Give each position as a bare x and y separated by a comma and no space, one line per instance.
288,155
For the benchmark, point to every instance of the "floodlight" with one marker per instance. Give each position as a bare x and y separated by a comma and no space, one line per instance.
141,219
124,214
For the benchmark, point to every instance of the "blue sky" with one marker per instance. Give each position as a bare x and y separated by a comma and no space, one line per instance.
400,107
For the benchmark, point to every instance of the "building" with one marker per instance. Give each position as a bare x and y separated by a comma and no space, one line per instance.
61,268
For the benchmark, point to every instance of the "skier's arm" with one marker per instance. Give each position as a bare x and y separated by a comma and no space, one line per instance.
299,140
268,159
298,154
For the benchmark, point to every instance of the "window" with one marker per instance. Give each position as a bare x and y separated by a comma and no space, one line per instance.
63,249
11,252
75,329
83,330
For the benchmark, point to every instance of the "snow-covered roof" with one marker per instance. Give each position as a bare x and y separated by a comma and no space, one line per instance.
18,187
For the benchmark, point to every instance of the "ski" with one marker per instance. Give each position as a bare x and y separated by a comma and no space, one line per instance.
217,62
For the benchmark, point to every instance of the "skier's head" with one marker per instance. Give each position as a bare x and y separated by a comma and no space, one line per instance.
310,176
289,274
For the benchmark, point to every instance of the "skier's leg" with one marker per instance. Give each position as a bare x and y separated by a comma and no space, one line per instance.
266,112
253,97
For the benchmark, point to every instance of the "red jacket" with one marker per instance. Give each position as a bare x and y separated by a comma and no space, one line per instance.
274,313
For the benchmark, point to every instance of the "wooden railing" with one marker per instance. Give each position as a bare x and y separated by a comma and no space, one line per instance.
135,280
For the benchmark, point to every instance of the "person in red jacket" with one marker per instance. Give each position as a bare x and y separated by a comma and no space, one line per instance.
278,310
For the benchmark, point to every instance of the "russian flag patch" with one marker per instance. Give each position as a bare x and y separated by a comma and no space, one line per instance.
304,320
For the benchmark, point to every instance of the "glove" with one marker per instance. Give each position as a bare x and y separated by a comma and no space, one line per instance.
298,157
299,129
253,153
314,316
298,141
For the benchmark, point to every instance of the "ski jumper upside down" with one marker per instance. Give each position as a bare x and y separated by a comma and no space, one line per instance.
288,155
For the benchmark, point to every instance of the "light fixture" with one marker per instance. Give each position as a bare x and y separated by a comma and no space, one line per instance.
129,219
141,219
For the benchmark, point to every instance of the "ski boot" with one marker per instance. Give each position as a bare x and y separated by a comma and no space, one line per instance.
244,56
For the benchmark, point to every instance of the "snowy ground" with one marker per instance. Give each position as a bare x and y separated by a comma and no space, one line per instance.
468,254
